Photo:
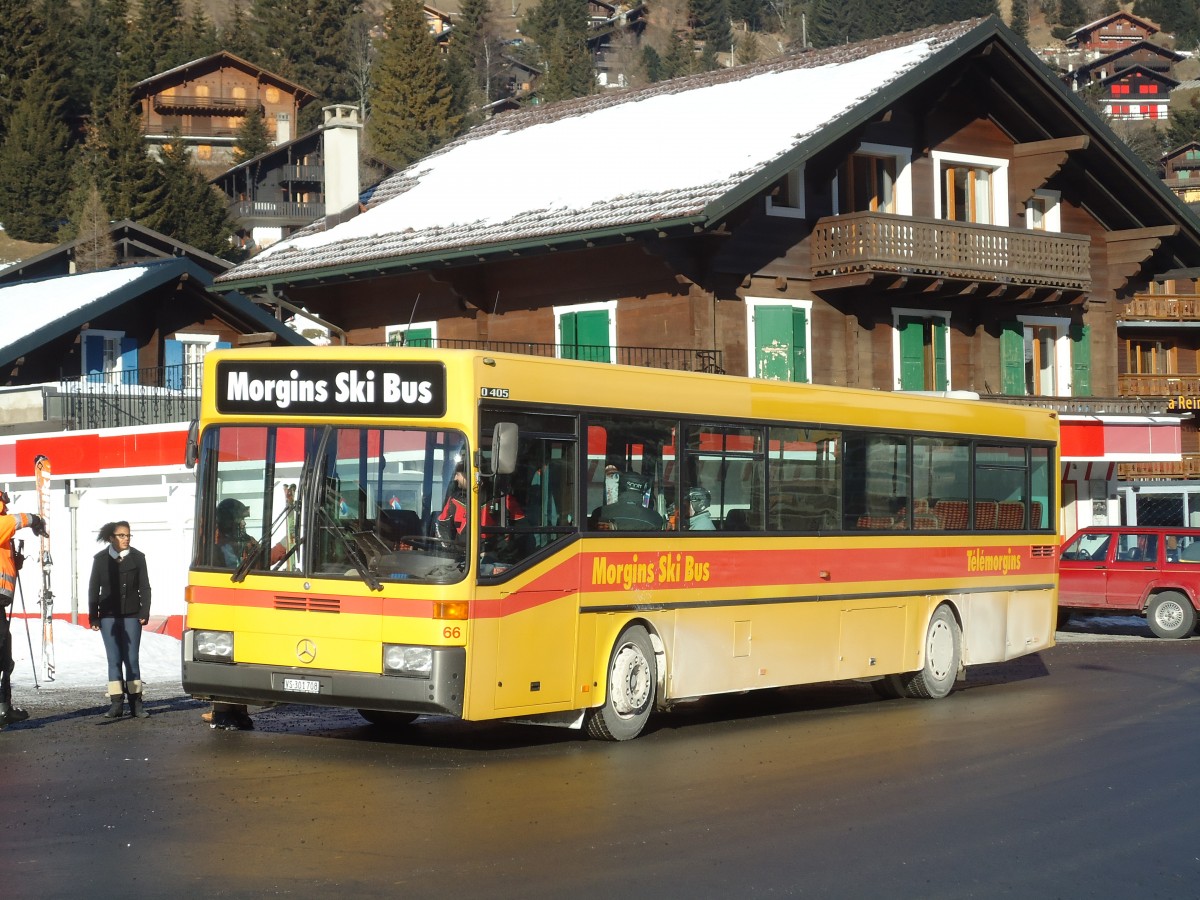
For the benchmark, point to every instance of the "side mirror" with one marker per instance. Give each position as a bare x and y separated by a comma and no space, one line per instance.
504,448
191,451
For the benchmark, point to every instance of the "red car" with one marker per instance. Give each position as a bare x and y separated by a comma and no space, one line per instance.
1150,571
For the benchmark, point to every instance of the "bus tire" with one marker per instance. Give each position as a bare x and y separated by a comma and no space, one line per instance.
943,652
1170,615
629,693
387,719
889,687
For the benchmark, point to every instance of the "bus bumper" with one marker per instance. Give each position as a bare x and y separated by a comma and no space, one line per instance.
439,694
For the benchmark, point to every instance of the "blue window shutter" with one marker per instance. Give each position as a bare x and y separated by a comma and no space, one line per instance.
93,357
223,345
129,360
173,364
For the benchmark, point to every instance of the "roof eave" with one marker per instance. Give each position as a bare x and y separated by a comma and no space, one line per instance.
387,265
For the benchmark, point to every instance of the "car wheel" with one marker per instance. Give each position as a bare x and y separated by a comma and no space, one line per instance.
1170,615
943,651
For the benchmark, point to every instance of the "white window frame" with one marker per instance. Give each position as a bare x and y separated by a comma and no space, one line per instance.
792,205
897,312
904,181
191,368
752,304
110,338
1052,221
999,181
609,305
1062,350
390,330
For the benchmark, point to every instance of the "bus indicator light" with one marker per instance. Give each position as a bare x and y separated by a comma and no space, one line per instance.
450,610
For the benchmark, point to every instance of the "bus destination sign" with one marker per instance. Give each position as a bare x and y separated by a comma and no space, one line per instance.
270,388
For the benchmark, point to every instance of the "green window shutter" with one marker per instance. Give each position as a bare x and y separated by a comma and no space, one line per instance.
1012,359
584,335
568,336
799,344
1081,361
941,333
773,341
912,354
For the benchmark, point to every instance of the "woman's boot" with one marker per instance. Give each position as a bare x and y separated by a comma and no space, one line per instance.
116,696
135,701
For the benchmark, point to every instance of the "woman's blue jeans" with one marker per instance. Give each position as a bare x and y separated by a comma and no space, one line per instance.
122,640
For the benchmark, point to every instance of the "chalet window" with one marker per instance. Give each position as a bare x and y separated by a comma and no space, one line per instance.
1042,211
109,357
182,356
1151,357
875,178
780,335
587,331
415,334
1044,357
788,199
867,183
971,189
921,350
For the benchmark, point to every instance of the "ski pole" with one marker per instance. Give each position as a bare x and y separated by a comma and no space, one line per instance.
25,615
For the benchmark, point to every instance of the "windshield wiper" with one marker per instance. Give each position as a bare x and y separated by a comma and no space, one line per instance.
352,550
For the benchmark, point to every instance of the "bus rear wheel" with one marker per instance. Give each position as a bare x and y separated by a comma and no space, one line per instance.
943,652
386,719
1170,615
629,694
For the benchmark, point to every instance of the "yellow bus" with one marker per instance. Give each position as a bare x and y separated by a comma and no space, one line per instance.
412,532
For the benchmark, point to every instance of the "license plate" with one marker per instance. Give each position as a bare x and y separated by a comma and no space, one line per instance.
302,685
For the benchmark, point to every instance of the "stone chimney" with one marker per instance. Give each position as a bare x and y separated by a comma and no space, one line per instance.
341,127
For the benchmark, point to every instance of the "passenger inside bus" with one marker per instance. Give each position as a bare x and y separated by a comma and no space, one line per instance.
631,510
233,543
699,517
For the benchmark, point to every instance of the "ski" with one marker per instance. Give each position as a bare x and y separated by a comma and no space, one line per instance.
41,470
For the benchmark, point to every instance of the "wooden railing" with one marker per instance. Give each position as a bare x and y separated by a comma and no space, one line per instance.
269,209
1090,406
225,105
1159,385
1188,467
862,242
1165,307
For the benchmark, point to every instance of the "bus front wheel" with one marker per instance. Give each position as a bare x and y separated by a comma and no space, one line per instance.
943,652
629,695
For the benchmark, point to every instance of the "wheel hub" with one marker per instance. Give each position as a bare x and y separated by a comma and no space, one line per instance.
630,681
940,651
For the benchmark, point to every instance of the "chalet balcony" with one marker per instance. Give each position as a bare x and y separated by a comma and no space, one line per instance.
315,174
198,104
682,359
859,248
150,396
1162,308
276,213
1186,468
1168,386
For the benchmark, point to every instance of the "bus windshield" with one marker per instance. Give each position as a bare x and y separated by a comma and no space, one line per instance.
367,503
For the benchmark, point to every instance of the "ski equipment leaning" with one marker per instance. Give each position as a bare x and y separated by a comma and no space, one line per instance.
41,470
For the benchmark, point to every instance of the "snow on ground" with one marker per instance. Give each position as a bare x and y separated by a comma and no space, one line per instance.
81,667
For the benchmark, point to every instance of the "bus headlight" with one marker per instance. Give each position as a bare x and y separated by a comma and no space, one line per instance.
213,646
401,659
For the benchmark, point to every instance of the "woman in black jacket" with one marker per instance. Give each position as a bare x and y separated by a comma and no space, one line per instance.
118,607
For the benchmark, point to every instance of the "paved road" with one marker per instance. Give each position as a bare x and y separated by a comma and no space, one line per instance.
1069,774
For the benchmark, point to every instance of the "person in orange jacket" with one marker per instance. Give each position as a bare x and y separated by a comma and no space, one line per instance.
10,524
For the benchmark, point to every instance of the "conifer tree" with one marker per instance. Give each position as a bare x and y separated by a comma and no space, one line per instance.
559,28
192,211
476,46
711,18
1184,124
1071,13
252,138
101,39
34,170
1020,19
21,34
411,100
91,224
653,63
156,39
749,49
680,60
115,154
199,37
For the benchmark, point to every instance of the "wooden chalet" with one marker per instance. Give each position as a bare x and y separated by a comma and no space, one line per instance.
1181,171
207,100
1137,93
947,218
1143,54
1112,32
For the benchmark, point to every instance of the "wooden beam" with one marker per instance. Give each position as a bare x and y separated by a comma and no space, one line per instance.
822,283
1053,145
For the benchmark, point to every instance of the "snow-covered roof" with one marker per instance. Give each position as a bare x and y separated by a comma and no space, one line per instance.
690,142
36,312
